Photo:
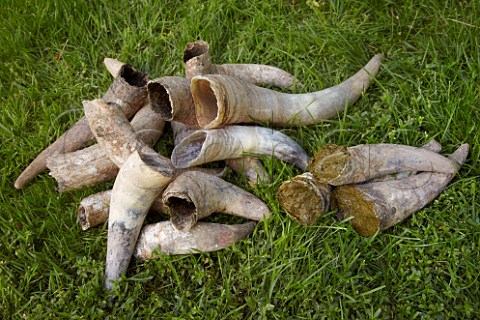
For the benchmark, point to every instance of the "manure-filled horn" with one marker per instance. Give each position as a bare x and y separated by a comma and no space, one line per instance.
203,146
377,206
221,100
339,165
140,181
195,195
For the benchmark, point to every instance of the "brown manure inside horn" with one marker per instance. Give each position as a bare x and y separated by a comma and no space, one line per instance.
160,101
302,202
351,202
329,162
133,77
205,102
182,213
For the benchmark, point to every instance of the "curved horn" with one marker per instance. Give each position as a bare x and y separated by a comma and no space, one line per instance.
377,206
195,195
94,209
171,98
162,237
197,61
140,181
128,91
339,165
221,100
203,146
304,199
91,166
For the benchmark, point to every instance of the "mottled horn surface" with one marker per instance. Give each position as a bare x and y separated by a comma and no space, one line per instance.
91,166
380,205
128,91
221,100
164,238
203,146
195,195
339,165
140,181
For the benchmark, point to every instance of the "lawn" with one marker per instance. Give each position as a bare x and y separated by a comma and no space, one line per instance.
429,87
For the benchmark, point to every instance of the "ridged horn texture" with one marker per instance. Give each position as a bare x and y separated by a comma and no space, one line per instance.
197,61
432,145
221,100
171,98
128,91
164,238
339,165
139,182
94,209
91,166
203,146
195,195
304,199
377,206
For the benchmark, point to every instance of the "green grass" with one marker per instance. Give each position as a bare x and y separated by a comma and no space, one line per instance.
426,267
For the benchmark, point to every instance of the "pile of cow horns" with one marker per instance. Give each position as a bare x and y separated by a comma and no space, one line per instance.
204,110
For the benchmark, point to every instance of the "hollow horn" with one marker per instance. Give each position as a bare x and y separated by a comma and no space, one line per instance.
171,98
197,61
140,181
221,100
377,206
339,165
163,238
203,146
195,195
128,91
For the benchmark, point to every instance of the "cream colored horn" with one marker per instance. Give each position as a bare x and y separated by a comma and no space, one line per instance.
140,181
195,195
197,61
339,165
376,206
203,146
91,166
163,238
221,100
94,209
128,91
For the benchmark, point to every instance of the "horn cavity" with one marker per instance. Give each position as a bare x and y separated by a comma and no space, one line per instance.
221,100
203,146
195,195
